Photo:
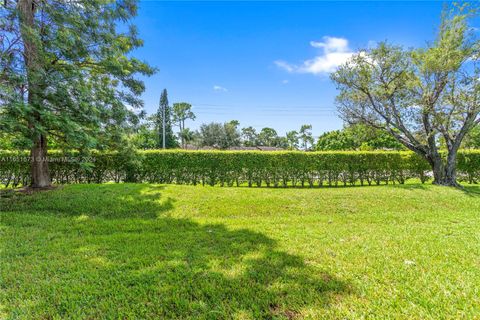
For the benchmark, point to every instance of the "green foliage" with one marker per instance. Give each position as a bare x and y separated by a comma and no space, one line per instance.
231,134
358,137
144,137
211,134
267,137
164,109
336,140
187,136
472,140
292,140
468,163
249,136
182,111
76,66
6,142
222,136
420,96
228,168
305,135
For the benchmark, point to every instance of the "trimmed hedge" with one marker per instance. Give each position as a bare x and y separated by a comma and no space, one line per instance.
234,168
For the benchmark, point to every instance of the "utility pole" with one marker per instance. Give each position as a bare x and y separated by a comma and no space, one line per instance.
162,110
163,126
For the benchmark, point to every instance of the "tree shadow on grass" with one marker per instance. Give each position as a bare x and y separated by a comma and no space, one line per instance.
409,186
111,201
469,189
68,264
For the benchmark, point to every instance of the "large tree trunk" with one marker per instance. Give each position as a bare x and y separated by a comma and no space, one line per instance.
39,164
445,174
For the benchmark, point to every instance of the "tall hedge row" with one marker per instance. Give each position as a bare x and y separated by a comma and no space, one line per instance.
234,168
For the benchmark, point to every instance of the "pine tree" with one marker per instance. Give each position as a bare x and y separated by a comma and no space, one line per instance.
66,72
165,109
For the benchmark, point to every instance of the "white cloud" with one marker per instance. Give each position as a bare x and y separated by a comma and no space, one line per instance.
285,81
335,52
331,44
219,88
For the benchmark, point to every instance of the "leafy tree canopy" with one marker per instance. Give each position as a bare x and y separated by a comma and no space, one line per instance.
218,135
422,96
66,72
358,137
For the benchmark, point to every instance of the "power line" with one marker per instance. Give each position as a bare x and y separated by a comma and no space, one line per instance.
276,115
265,111
262,110
277,107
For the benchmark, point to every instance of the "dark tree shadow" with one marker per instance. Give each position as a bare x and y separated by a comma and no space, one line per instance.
110,201
471,190
468,189
135,261
410,187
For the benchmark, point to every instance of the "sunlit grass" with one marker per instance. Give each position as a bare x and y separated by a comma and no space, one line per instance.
139,251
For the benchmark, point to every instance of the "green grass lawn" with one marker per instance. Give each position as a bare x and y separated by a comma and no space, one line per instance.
138,251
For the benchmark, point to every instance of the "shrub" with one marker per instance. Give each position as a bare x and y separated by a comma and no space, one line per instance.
229,168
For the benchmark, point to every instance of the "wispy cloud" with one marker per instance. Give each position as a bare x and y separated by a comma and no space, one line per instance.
284,65
285,81
334,52
219,88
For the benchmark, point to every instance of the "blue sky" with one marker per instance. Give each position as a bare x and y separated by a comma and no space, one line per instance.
267,63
